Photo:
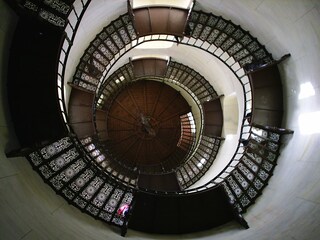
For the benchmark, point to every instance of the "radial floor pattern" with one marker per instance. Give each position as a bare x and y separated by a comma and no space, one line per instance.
144,124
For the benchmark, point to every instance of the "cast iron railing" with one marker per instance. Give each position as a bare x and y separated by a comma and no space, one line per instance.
178,74
77,10
67,167
224,40
221,38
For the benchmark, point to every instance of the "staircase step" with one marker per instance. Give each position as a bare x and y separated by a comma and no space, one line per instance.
167,214
79,182
228,37
55,14
99,56
254,169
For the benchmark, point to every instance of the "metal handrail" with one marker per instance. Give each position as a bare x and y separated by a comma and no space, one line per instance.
243,134
69,35
233,66
240,75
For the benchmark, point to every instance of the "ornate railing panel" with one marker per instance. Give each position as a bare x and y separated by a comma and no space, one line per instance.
221,38
105,161
199,162
246,182
215,35
54,12
76,13
77,179
72,168
178,74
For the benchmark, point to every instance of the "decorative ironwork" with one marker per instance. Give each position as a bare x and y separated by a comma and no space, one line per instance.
244,184
59,180
58,5
32,6
63,159
254,169
35,158
199,162
234,186
52,18
55,147
78,180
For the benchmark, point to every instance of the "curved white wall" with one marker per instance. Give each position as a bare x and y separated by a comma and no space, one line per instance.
289,207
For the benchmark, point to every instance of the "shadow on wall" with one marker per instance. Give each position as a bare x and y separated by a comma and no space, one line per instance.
8,22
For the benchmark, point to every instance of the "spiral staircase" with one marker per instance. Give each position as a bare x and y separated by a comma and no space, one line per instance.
69,149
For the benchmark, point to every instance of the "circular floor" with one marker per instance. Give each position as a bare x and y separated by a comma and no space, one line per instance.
144,124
